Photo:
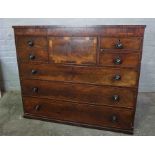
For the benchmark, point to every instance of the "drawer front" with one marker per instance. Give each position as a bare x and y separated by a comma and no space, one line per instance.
106,76
46,72
119,59
74,50
120,43
92,75
35,55
97,95
31,42
87,114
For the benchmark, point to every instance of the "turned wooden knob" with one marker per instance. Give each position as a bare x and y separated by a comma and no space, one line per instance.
32,57
117,77
34,71
35,89
30,43
119,45
117,60
115,97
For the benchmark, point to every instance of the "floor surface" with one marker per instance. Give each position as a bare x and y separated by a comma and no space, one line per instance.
12,122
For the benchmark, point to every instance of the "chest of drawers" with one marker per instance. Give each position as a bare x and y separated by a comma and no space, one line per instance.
86,76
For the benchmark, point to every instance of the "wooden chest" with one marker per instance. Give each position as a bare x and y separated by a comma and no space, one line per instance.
86,76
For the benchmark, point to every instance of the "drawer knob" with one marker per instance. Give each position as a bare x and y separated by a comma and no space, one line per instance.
34,71
101,49
114,118
117,60
119,45
30,43
115,97
37,107
35,89
117,77
32,57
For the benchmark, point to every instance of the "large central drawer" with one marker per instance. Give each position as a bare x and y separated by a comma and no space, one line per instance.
81,74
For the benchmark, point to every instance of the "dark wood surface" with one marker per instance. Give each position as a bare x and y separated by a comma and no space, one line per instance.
120,59
90,114
75,50
130,43
86,75
89,94
81,74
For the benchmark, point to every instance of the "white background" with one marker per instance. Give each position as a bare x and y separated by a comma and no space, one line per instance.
77,145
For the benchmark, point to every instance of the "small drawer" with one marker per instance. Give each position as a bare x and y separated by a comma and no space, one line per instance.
80,113
32,55
119,59
28,42
120,43
97,95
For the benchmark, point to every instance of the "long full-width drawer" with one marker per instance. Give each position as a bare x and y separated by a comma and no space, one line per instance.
80,113
81,74
98,95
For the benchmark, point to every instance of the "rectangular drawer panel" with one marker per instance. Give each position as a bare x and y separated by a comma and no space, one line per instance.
31,42
92,75
121,43
35,55
119,59
87,114
106,76
99,95
75,50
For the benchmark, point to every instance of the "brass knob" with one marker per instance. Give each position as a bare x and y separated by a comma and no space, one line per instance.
35,89
114,118
30,43
117,77
115,97
34,71
117,60
119,45
32,57
37,107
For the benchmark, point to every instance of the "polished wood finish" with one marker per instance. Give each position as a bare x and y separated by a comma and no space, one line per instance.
80,74
32,55
37,42
79,93
120,59
73,50
127,43
90,114
85,75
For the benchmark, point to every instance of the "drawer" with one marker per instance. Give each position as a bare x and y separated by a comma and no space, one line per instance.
35,55
132,43
81,74
79,113
97,95
119,59
31,42
46,72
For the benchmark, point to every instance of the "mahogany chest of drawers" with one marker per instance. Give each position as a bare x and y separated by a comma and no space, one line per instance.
86,76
